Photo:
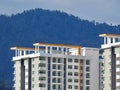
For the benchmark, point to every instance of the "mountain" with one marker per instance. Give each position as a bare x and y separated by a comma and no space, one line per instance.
40,25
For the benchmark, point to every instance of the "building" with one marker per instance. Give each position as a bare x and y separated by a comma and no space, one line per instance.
111,62
56,67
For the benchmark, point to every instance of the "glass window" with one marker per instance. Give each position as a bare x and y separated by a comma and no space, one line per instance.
69,73
76,87
59,67
54,66
76,60
59,60
42,71
69,86
87,88
75,80
87,62
59,80
69,60
54,80
54,73
42,78
88,69
69,80
75,67
87,75
42,85
59,73
42,58
54,59
54,86
76,74
42,65
87,82
69,66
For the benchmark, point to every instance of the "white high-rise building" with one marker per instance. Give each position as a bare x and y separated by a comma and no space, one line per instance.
56,67
111,62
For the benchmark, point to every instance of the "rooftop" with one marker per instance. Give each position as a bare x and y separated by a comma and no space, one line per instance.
109,35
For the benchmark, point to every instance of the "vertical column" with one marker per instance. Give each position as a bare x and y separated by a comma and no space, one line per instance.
114,40
62,50
16,52
65,72
22,75
50,49
108,40
46,49
29,73
24,52
49,73
113,69
80,87
105,39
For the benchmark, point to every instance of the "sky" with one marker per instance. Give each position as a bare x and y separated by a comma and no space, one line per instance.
99,10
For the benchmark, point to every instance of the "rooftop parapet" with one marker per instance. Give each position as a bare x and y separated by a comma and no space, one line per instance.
48,49
58,48
20,51
110,39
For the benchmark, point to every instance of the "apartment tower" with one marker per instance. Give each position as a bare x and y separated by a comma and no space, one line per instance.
111,62
56,67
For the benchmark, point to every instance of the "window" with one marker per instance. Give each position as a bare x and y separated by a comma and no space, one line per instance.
59,73
69,73
54,66
69,86
76,74
69,66
59,67
75,80
42,58
33,65
69,80
87,62
59,60
75,67
42,65
54,73
54,59
33,85
76,87
32,78
54,80
69,60
87,88
87,75
42,85
88,69
76,60
87,82
59,80
42,78
54,86
42,71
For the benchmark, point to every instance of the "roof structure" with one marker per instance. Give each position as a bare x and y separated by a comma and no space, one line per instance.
109,35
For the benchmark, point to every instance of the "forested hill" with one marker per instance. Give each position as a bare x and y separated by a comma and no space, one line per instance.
39,25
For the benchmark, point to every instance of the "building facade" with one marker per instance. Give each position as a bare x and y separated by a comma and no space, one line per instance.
56,67
111,62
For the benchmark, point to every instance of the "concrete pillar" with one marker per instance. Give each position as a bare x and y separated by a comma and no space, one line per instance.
114,40
50,49
108,40
24,52
105,39
46,49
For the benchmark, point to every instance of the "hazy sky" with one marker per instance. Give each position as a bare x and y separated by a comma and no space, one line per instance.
98,10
